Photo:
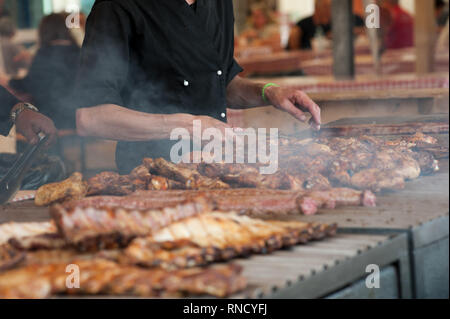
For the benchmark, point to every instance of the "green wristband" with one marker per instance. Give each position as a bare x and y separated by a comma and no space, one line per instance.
268,85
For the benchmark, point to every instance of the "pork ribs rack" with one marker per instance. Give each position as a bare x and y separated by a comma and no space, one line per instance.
103,277
128,246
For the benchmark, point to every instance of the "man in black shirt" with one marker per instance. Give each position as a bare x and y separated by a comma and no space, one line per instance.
306,29
148,67
28,121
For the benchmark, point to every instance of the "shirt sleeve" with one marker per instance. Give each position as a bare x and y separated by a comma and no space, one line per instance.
7,102
105,57
233,68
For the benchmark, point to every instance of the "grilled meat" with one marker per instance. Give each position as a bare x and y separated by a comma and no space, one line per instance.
48,241
72,188
99,276
218,237
377,180
20,230
253,202
427,162
110,183
10,257
191,178
243,175
337,197
391,160
105,227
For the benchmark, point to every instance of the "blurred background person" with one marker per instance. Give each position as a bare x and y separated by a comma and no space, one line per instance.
397,25
53,71
13,57
318,26
442,13
262,28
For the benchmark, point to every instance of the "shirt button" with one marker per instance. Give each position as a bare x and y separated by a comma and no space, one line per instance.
186,83
219,73
223,115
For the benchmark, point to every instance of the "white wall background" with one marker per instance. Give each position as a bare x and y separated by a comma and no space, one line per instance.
298,9
408,5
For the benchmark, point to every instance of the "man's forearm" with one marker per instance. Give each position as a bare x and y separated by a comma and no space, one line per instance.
243,93
119,123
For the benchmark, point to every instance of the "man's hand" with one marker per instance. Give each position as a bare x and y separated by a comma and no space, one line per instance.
296,103
30,123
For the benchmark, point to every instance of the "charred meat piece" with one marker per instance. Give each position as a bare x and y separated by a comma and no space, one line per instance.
412,141
141,173
103,277
428,164
110,183
94,228
72,188
40,242
189,177
252,201
437,151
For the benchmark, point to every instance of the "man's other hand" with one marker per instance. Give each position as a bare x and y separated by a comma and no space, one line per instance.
296,103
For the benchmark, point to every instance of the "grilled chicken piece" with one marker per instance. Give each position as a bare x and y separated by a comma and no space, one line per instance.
403,165
104,277
71,188
377,180
93,228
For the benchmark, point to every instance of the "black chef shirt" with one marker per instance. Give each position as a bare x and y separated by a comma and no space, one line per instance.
7,102
157,57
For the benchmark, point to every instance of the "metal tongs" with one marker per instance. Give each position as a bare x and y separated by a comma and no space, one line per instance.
10,184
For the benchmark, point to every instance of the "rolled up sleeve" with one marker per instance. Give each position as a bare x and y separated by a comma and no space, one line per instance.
233,70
